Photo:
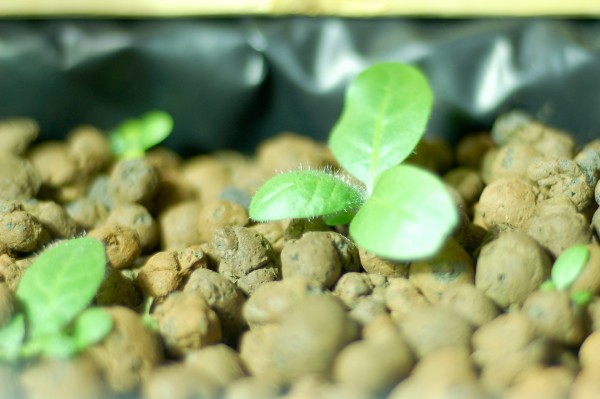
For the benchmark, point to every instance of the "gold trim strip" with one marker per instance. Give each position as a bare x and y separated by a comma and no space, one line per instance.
347,8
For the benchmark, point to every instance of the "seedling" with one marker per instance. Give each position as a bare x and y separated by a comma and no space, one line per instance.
565,271
133,137
54,294
399,211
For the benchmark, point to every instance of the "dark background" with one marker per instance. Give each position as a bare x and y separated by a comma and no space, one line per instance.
231,82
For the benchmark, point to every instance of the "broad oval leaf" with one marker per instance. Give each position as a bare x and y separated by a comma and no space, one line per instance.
91,327
134,136
11,338
569,265
60,283
385,113
303,194
409,215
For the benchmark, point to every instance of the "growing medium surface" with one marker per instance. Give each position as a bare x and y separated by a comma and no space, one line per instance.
202,301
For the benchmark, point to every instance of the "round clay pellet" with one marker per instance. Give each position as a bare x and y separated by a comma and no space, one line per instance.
178,225
374,264
89,149
179,381
470,303
19,179
510,279
512,160
133,181
53,217
52,161
218,213
471,148
16,134
122,244
219,361
542,382
138,218
589,352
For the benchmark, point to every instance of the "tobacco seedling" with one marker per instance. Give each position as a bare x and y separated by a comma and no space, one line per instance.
54,295
397,211
133,137
566,270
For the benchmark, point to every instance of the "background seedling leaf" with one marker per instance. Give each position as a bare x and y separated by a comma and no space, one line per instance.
385,113
91,327
134,136
303,194
60,283
569,265
408,216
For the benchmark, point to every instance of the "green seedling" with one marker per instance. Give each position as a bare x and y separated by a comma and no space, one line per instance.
565,271
54,295
397,211
133,137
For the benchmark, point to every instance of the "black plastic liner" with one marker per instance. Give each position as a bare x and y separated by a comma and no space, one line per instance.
230,83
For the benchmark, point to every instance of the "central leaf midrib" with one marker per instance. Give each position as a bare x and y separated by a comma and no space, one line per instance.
377,138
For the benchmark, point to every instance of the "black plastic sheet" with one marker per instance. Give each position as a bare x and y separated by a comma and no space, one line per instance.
230,83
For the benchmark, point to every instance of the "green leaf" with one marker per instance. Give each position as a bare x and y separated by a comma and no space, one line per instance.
581,298
303,194
60,283
408,217
134,136
58,346
91,327
339,218
385,113
11,338
569,265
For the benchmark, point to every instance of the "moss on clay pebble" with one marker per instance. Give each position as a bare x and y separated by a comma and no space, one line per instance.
295,308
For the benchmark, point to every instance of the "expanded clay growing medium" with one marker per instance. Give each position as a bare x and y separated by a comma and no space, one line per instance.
296,309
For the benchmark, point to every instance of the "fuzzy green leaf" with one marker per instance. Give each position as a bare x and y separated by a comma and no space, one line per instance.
569,265
385,113
11,338
134,136
581,298
91,327
60,283
408,217
303,194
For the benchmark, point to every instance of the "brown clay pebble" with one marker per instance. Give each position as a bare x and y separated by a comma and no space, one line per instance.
374,365
272,231
507,203
7,304
401,296
512,160
589,352
555,317
586,385
256,351
452,265
52,161
445,373
467,182
352,286
421,327
470,303
510,279
287,151
20,231
16,134
310,337
118,288
122,244
245,257
53,217
179,381
557,226
542,382
127,355
164,271
19,179
219,361
138,218
252,388
89,149
272,300
223,296
178,225
520,348
87,213
70,379
133,181
312,256
186,323
207,175
373,264
471,148
10,272
217,214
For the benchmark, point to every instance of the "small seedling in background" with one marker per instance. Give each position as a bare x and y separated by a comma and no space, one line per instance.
401,212
565,271
133,137
54,294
